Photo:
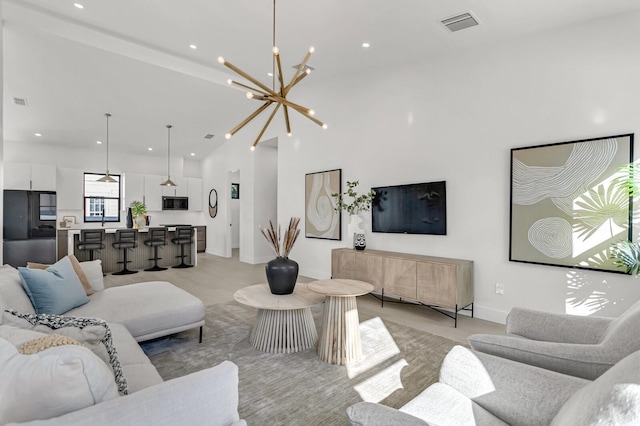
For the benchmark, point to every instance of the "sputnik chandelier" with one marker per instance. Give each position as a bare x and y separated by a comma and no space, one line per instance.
271,96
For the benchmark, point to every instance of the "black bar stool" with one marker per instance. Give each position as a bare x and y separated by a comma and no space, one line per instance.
183,236
156,237
91,239
125,239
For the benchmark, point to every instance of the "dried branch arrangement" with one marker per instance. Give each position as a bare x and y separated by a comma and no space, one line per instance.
290,237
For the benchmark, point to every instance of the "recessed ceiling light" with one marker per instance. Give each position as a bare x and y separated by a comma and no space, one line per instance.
193,46
37,134
193,154
149,149
78,5
99,142
365,44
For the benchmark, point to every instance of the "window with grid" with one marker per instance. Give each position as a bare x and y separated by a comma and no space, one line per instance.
101,199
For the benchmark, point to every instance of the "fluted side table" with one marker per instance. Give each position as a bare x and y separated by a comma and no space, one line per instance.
340,336
284,323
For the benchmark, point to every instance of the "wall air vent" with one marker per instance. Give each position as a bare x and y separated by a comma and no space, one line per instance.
208,136
20,101
460,22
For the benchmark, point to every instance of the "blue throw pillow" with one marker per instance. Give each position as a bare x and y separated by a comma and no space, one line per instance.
54,290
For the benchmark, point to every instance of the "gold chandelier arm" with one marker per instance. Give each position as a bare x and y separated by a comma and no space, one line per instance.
302,110
265,126
293,83
251,117
301,66
244,86
277,56
247,76
286,119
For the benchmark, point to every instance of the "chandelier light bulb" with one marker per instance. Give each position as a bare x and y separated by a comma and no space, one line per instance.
227,136
311,49
276,50
253,148
289,134
249,95
312,112
229,81
324,126
220,60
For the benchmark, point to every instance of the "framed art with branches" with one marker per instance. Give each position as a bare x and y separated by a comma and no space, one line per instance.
568,206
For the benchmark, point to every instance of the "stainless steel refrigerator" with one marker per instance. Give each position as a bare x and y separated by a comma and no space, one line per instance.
29,227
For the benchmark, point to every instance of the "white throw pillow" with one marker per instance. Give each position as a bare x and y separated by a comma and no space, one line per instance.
93,272
51,383
93,333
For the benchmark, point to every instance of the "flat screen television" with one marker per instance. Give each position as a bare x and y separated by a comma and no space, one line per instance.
419,208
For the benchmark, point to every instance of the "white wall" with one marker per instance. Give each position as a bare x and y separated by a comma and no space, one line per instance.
258,171
456,119
265,193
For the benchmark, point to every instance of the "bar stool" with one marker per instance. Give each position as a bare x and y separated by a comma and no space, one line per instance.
125,239
183,236
156,237
91,239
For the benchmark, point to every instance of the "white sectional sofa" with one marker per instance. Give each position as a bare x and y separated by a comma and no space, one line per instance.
135,313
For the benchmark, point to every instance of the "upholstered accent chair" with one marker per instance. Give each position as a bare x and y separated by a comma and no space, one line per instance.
579,346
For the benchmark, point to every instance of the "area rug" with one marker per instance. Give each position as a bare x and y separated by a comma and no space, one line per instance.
299,389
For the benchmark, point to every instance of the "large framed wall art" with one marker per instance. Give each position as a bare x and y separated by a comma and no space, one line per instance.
321,220
568,205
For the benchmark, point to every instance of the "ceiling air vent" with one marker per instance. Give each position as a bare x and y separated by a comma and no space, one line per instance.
304,69
208,136
460,22
20,101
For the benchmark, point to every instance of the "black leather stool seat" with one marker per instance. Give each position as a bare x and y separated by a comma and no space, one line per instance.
157,237
125,239
91,239
183,236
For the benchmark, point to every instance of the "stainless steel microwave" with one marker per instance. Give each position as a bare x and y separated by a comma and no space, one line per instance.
175,203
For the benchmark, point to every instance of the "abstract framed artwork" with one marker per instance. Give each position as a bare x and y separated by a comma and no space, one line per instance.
321,220
568,202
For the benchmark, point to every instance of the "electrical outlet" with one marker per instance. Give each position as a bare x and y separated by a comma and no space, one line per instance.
499,288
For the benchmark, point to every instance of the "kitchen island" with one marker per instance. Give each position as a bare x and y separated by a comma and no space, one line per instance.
138,256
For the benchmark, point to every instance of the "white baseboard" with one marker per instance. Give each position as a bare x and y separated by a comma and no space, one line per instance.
216,253
492,315
255,260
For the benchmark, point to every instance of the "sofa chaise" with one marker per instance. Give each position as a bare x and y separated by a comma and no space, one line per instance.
135,313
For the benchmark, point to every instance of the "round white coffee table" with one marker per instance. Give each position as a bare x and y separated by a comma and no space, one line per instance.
284,323
340,336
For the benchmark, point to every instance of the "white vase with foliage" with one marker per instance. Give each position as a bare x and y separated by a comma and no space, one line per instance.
354,204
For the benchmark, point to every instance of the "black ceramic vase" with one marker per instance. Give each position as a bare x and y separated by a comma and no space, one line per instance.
129,218
282,274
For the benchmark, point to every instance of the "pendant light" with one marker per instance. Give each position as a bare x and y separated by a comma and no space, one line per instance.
107,177
168,182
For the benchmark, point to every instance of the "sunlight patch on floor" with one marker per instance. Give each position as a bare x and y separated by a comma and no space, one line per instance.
377,347
381,385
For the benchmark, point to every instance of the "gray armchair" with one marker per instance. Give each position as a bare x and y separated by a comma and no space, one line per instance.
579,346
477,389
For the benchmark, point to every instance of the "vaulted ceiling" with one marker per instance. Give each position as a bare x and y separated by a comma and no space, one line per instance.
133,58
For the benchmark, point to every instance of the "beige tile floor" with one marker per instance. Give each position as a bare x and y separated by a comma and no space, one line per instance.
215,279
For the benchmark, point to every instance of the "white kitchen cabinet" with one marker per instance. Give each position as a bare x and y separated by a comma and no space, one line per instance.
194,189
27,176
153,192
133,189
69,188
